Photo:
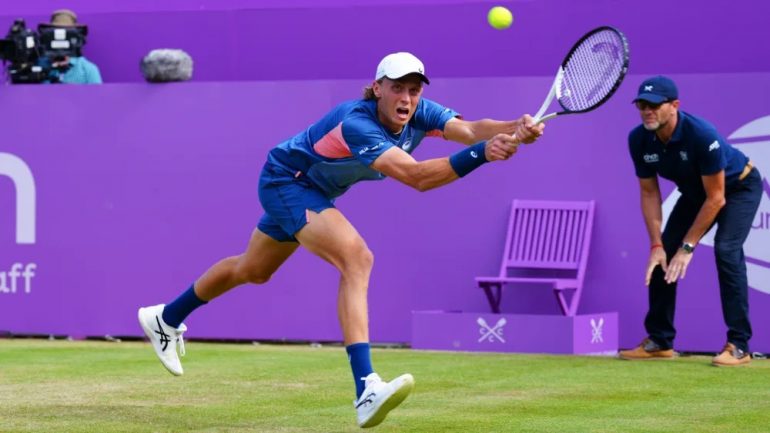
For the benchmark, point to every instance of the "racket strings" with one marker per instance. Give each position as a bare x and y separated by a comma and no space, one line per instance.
592,71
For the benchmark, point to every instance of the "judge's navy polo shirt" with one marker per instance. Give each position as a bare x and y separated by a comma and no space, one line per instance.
696,149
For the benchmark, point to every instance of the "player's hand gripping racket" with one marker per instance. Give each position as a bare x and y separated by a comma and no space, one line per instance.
590,73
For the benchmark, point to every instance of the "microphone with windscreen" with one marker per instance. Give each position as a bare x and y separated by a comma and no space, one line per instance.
167,65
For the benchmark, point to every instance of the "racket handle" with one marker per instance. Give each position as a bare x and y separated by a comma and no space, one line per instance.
539,120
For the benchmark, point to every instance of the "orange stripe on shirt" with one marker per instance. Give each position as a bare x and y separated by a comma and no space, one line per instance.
332,145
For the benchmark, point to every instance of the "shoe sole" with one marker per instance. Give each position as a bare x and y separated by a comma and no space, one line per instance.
392,402
149,333
652,358
716,364
648,358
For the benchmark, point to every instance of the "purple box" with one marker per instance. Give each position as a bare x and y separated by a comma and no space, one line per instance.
589,334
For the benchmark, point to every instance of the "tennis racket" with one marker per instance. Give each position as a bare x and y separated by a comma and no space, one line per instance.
590,73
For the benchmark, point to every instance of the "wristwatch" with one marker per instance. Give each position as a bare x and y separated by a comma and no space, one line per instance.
688,248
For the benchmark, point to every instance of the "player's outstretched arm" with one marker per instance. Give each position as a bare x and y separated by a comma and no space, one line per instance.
469,132
432,173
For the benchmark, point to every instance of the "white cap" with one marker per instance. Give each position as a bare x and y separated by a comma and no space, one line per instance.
397,65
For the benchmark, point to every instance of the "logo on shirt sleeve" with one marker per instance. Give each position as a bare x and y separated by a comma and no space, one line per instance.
714,145
371,148
651,157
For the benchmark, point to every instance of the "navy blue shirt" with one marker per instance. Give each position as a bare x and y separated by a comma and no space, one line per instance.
338,150
696,149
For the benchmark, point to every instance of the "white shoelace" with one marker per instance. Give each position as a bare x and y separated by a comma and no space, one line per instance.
372,378
180,344
179,340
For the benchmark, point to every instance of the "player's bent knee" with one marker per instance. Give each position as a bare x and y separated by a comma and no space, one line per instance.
356,262
259,279
246,275
361,258
367,258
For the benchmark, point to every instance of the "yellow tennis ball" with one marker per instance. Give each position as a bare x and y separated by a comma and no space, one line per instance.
500,17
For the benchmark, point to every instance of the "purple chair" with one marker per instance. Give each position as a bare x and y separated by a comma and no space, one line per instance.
547,243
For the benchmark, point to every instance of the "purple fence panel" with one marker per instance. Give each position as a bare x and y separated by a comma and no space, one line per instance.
139,188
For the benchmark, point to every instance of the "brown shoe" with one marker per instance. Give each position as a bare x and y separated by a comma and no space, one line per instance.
731,356
647,349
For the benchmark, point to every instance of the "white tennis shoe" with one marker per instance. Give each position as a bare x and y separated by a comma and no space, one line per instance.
166,340
381,397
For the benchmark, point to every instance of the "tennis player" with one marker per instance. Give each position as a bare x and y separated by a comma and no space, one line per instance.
719,185
365,139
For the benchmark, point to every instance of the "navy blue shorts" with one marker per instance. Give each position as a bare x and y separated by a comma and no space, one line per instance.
286,201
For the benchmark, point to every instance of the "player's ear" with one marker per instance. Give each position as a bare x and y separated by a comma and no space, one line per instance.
675,103
377,89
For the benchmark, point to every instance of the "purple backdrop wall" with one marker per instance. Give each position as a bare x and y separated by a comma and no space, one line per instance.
140,188
343,39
